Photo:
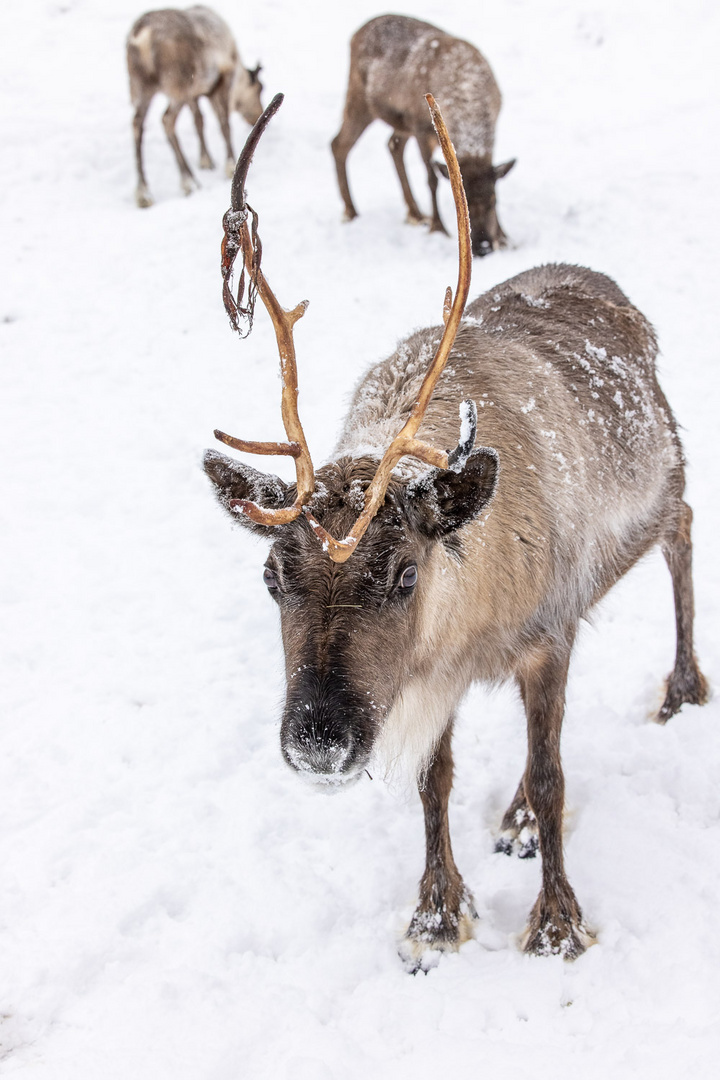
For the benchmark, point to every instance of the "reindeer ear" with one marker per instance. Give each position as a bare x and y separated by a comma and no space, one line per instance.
233,480
502,170
441,500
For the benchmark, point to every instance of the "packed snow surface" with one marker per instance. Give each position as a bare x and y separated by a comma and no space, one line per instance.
174,903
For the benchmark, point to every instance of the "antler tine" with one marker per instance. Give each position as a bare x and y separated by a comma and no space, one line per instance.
237,191
405,442
237,238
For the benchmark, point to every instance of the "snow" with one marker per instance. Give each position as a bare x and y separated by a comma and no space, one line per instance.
174,903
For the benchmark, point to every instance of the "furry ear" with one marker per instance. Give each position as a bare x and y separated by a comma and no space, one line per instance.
441,500
233,480
502,170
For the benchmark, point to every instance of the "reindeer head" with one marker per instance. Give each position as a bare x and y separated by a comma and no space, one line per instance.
353,546
246,91
479,178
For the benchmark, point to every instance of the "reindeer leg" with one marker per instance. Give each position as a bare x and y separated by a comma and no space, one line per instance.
443,918
187,180
206,162
426,145
518,831
396,146
356,118
220,101
143,198
556,919
686,682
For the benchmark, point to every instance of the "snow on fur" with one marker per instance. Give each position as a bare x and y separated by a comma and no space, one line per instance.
174,904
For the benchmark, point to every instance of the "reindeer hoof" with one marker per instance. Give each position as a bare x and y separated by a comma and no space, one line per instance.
206,162
529,848
525,847
432,933
520,834
684,687
143,198
349,215
558,932
437,226
188,185
416,219
549,939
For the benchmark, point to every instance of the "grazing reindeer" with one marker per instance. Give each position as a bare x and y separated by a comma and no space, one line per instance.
474,564
394,61
185,55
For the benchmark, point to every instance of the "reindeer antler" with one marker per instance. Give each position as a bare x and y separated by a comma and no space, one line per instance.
405,442
238,237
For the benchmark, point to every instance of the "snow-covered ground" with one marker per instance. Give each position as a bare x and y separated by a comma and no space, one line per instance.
174,904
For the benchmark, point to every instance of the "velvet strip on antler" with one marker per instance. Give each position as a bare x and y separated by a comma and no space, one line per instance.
239,237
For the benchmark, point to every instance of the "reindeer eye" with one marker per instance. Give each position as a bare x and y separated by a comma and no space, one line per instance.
408,578
270,578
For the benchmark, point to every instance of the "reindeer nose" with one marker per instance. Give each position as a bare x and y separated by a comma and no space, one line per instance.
319,750
481,247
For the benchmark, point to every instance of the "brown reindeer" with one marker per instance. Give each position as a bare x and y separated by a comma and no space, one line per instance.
404,573
394,61
187,55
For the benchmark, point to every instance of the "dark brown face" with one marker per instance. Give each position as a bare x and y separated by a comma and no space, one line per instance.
349,629
246,96
479,181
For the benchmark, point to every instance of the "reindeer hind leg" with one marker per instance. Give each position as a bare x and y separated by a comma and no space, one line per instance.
519,830
686,683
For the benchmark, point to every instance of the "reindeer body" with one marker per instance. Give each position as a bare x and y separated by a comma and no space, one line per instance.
187,55
394,61
561,366
482,574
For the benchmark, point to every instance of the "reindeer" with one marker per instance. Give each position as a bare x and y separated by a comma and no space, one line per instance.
394,60
187,55
403,573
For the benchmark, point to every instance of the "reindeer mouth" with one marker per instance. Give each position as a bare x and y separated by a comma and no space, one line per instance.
481,248
330,783
329,766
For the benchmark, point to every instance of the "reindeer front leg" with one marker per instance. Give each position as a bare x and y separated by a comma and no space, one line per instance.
556,924
443,918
